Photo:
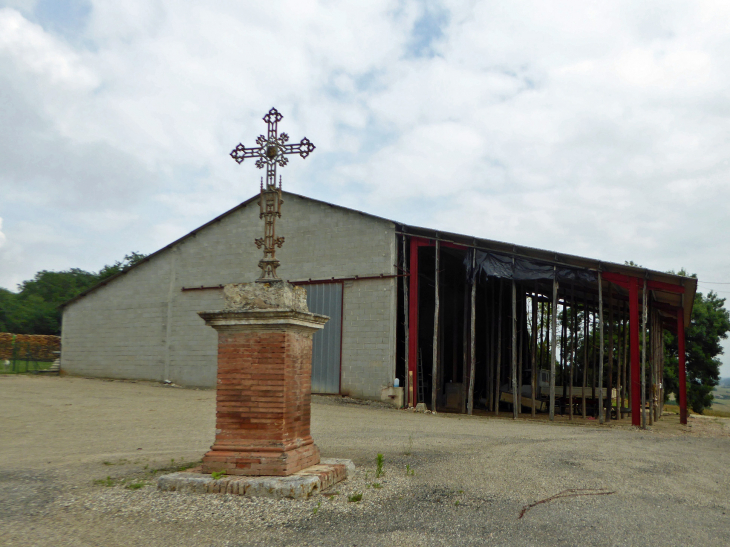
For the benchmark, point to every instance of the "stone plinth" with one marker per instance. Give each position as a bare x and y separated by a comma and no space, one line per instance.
264,381
300,485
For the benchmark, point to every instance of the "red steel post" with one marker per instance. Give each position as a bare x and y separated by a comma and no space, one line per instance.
682,370
635,353
413,324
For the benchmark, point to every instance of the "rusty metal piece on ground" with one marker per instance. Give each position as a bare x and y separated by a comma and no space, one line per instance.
569,493
271,151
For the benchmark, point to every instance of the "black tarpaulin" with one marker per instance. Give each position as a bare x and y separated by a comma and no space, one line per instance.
522,269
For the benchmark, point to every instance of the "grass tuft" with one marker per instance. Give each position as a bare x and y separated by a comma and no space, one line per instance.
105,482
379,472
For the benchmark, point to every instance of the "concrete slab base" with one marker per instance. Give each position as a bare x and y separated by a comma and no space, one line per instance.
302,484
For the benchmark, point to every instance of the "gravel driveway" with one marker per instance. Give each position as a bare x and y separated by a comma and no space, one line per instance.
78,460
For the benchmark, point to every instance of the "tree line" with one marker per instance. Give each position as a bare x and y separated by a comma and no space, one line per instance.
35,308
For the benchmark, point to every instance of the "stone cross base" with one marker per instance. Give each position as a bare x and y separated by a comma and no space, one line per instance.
264,384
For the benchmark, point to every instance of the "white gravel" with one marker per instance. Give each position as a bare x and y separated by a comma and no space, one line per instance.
471,476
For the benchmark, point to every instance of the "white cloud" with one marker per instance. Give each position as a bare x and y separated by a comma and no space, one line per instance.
586,128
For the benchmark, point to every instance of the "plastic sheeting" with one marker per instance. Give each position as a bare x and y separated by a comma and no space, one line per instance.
504,266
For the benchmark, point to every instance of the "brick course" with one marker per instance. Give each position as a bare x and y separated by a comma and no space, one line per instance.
263,399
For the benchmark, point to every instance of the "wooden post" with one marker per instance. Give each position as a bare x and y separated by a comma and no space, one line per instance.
465,351
682,371
610,350
520,346
573,340
620,372
656,358
472,348
594,334
498,368
635,352
434,364
652,375
585,354
534,348
490,349
626,395
601,413
554,325
564,355
514,350
643,356
406,369
661,369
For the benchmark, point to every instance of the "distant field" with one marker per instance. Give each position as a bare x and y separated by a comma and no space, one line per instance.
721,403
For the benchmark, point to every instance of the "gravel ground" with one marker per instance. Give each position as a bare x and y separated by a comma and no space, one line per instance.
78,459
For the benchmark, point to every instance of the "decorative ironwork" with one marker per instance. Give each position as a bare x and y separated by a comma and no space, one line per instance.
272,151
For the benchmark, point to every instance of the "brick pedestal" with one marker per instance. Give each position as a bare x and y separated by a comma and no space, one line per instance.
264,391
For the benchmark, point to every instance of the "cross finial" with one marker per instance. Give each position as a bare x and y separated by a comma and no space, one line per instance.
271,151
272,148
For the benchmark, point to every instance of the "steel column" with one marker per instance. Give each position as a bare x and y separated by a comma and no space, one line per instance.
413,324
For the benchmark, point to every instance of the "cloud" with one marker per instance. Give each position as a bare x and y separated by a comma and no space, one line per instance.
587,128
2,235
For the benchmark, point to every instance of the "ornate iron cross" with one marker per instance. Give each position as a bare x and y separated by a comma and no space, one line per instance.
272,151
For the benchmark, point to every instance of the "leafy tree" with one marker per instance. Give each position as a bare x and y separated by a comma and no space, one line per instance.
35,309
7,306
710,324
118,267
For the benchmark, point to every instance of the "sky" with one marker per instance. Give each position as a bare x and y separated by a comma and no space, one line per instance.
600,129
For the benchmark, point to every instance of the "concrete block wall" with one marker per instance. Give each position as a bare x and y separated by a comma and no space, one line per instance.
141,325
368,337
118,331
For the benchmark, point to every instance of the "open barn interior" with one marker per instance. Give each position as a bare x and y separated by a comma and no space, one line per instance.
489,328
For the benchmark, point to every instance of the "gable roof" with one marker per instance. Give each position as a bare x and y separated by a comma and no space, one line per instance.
688,283
203,227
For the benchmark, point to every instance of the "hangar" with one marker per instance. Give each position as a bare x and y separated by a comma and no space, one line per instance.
464,324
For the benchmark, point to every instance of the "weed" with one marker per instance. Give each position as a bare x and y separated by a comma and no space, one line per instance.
357,496
456,503
107,463
146,466
377,485
217,474
172,461
409,471
460,491
379,472
108,481
314,511
136,485
189,465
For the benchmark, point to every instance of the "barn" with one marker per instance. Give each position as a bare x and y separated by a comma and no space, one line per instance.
461,322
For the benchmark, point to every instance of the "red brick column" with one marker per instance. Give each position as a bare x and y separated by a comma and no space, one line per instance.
264,391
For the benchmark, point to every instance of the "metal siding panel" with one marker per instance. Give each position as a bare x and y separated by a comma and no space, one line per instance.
326,299
336,338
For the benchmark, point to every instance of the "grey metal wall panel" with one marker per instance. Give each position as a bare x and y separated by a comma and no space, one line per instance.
326,299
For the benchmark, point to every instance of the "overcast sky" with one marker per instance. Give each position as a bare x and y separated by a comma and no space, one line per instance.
595,128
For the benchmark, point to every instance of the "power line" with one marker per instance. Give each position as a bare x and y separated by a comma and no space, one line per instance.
714,282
